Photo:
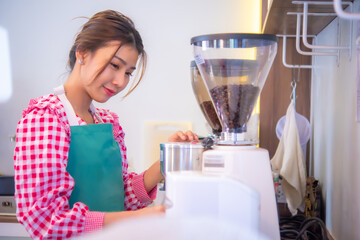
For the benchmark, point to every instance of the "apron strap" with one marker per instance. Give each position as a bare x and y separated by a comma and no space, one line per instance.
70,113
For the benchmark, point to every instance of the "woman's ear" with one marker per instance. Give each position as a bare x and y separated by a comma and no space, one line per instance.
80,56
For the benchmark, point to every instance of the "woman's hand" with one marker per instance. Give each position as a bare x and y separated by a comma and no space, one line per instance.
180,136
111,217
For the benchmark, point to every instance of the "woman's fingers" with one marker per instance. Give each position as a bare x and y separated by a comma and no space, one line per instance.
180,136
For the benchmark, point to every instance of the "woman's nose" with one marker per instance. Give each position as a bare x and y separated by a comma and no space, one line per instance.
120,81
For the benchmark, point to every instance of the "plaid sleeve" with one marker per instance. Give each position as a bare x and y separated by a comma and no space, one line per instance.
42,185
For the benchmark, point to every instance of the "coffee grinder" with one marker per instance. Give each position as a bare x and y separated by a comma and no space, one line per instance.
235,183
234,68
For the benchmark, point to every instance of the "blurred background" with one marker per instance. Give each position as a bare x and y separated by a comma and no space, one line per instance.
37,36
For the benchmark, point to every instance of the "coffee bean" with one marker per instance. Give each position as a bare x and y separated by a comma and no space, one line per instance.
235,104
211,116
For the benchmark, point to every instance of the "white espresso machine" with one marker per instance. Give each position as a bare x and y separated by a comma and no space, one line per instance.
234,184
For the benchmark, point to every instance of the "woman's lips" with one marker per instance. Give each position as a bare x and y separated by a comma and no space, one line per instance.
109,92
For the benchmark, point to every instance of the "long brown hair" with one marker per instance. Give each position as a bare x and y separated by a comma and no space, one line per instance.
106,26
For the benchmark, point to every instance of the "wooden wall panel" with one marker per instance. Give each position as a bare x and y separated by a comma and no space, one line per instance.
275,96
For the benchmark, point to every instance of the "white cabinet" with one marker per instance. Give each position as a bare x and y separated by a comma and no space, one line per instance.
12,231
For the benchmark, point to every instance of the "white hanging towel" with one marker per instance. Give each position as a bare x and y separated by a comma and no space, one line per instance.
289,162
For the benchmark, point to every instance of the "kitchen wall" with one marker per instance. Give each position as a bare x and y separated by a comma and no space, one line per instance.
41,33
336,132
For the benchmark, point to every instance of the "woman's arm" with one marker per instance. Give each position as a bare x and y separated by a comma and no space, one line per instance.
43,186
112,217
152,176
140,189
150,179
136,195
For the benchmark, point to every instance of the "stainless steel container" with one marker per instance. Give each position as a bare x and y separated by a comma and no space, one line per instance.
180,156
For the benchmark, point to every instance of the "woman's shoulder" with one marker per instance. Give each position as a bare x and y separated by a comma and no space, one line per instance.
106,115
110,117
45,104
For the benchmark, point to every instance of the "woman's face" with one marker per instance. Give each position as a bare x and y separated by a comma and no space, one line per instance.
116,74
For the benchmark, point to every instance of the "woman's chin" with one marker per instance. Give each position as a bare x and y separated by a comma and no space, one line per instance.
101,99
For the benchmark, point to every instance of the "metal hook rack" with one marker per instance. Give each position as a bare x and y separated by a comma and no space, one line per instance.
325,50
305,15
284,54
343,14
298,22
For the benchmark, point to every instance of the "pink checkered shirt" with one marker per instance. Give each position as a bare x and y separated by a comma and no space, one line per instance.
42,184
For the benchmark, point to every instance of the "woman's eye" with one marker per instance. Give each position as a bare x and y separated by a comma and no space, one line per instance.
129,74
115,66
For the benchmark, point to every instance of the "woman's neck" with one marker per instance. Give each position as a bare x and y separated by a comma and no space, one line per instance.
77,96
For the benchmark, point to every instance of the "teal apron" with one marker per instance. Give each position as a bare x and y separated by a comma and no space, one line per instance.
94,162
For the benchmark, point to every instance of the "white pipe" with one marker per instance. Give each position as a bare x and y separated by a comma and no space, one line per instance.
342,14
284,56
313,2
298,20
312,14
304,33
293,35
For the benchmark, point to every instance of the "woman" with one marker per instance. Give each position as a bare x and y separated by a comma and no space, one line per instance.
70,157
